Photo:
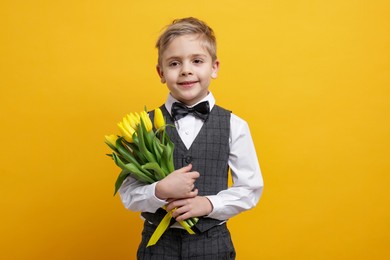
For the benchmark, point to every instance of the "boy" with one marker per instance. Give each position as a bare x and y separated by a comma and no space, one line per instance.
208,140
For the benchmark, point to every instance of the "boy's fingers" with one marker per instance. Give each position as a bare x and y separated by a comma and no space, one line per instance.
185,168
170,200
194,175
193,193
171,205
183,216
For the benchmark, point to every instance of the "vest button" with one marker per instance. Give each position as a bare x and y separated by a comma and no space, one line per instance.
188,159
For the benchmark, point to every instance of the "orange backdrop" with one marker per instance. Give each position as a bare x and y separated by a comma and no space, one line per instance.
310,77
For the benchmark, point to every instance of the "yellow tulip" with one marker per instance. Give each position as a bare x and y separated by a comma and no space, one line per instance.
137,116
126,124
127,133
111,139
133,120
158,118
147,121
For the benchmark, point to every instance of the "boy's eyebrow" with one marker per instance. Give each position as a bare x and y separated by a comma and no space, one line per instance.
192,56
199,55
173,58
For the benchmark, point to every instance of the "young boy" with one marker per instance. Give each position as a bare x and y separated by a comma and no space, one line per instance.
208,141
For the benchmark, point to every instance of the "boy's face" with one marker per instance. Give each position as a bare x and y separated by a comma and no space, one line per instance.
187,68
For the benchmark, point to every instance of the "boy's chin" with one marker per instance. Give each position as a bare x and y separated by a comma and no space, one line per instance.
190,100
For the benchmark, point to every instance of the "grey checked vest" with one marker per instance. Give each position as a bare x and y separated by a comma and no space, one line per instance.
208,155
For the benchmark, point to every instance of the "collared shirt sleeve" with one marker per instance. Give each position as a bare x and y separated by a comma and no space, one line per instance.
136,196
247,185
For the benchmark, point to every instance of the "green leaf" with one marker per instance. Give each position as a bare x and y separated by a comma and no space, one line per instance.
135,139
156,168
142,146
118,161
125,152
138,174
164,137
157,148
122,176
111,146
165,161
170,148
147,136
136,152
131,159
135,171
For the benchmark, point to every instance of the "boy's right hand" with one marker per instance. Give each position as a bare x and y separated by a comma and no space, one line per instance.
178,184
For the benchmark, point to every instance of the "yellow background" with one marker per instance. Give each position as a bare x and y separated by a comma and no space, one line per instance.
310,77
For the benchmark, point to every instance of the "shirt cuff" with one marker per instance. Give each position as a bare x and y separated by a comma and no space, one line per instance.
154,200
217,206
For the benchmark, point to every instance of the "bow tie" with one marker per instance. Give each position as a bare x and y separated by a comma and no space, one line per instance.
201,110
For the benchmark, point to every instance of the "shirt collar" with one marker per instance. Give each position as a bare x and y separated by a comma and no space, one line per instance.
170,100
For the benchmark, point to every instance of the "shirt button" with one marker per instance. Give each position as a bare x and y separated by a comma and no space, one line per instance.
187,132
188,159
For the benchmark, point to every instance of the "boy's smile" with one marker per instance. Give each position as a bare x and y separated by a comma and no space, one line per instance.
187,68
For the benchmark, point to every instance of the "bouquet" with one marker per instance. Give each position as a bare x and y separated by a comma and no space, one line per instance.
145,155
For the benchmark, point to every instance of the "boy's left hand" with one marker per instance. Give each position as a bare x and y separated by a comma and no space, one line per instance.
190,207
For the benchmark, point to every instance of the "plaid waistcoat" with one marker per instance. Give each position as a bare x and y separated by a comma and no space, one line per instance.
208,155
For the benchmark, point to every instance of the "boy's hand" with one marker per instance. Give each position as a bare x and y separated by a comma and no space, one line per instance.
178,184
190,207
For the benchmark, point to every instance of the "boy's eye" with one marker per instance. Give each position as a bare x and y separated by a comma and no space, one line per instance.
173,64
197,61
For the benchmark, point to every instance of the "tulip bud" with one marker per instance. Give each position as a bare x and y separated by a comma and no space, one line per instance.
111,139
137,116
126,133
133,120
158,119
148,123
126,124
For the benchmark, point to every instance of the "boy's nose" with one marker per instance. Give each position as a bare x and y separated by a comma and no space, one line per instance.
186,70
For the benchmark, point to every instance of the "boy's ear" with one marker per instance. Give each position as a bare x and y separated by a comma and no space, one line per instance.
161,74
215,68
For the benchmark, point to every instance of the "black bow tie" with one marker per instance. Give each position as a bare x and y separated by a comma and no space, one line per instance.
201,110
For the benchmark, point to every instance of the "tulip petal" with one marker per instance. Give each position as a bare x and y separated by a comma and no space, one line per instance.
133,121
159,121
146,119
125,133
110,140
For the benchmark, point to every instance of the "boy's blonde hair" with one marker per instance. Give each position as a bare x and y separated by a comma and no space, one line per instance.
185,26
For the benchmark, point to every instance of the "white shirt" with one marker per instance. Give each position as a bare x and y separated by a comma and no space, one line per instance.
246,175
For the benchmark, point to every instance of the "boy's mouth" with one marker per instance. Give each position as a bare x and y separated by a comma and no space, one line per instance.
187,83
